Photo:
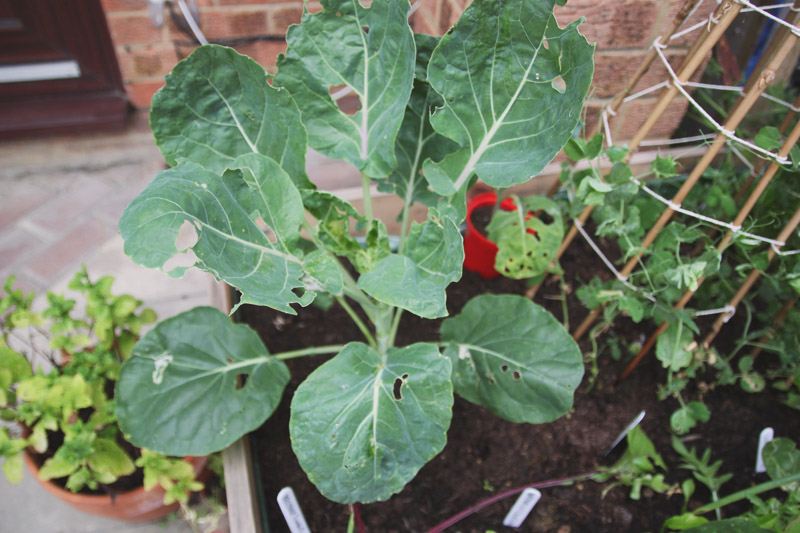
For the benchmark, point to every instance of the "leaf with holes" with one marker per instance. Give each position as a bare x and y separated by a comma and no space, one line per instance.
513,84
230,244
527,237
178,393
362,426
217,105
370,50
417,279
513,357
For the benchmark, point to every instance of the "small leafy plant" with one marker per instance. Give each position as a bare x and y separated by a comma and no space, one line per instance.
67,412
495,98
775,513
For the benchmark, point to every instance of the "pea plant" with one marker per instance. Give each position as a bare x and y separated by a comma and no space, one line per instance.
495,98
685,256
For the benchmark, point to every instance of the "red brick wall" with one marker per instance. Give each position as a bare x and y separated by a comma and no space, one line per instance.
622,29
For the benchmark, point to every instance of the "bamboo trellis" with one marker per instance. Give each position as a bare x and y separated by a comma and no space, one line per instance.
677,82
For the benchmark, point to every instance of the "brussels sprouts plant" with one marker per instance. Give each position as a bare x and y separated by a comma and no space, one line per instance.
496,98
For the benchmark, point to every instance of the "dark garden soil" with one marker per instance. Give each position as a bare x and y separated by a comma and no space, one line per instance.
486,455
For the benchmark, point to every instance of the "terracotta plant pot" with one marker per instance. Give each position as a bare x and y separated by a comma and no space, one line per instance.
137,505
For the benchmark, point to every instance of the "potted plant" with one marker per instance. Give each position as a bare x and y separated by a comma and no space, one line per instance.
495,98
70,440
516,238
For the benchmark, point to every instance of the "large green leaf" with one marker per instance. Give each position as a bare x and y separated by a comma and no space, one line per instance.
370,50
217,105
416,140
513,84
513,357
526,243
416,280
230,244
362,426
178,392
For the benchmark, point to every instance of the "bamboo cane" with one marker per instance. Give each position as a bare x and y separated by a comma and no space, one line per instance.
752,278
741,216
761,162
725,13
753,90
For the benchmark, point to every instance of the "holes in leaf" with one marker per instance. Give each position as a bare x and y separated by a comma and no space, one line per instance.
516,375
559,84
187,236
348,101
397,391
546,44
504,368
241,380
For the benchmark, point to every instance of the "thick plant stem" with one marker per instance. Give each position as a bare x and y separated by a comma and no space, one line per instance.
395,325
316,350
383,330
361,326
367,198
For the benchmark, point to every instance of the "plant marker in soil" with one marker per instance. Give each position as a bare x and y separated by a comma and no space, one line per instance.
767,434
628,428
292,512
522,507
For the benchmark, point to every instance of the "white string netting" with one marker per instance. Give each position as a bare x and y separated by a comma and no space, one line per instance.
733,142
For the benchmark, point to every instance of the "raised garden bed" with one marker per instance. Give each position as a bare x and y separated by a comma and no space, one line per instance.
486,455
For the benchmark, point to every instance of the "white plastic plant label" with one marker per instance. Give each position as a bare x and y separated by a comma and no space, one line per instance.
291,511
522,508
635,422
767,434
